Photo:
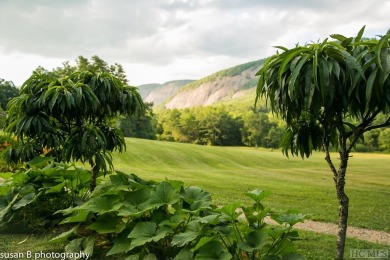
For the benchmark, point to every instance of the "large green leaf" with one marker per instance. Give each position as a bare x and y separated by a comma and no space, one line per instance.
254,216
385,64
184,254
213,250
191,233
63,237
145,232
255,240
121,245
291,217
203,241
25,200
56,188
103,204
287,57
258,195
39,161
84,245
175,221
108,223
6,210
195,199
295,73
230,211
76,215
370,85
165,194
136,203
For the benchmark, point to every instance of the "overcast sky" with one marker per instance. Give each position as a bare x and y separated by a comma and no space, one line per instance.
162,40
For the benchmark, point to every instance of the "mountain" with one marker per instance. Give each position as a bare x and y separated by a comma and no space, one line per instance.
238,82
158,93
220,86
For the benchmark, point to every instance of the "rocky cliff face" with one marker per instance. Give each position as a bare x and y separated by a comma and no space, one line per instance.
210,92
159,93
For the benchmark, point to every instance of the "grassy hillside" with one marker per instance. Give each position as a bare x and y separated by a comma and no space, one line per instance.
305,185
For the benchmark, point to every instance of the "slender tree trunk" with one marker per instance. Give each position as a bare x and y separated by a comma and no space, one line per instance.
343,200
95,171
92,186
343,208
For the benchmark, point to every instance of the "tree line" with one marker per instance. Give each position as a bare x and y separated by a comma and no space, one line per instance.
226,126
205,126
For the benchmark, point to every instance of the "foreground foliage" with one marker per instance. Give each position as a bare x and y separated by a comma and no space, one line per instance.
130,217
30,197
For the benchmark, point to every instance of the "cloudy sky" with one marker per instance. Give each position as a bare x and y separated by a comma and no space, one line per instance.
161,40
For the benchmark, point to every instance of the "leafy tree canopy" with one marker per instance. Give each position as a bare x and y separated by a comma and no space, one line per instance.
95,63
325,87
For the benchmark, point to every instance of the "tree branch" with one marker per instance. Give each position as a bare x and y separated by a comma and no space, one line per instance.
325,144
385,124
363,126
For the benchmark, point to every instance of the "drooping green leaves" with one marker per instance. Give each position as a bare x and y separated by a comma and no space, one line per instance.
312,86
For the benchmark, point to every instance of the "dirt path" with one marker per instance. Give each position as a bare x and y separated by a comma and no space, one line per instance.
374,236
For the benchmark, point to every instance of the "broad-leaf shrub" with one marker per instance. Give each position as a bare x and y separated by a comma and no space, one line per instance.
30,197
130,217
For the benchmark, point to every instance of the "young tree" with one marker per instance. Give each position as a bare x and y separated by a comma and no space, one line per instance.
329,93
70,117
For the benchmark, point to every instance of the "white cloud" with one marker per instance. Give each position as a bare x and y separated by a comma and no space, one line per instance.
174,39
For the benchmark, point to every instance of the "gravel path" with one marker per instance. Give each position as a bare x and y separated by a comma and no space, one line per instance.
374,236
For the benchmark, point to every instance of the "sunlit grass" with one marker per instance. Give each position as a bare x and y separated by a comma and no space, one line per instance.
305,185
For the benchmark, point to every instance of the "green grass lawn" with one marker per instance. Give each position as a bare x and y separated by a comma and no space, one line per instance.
305,185
228,172
319,246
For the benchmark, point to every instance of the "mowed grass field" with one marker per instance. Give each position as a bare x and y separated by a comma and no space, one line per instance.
228,172
305,185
